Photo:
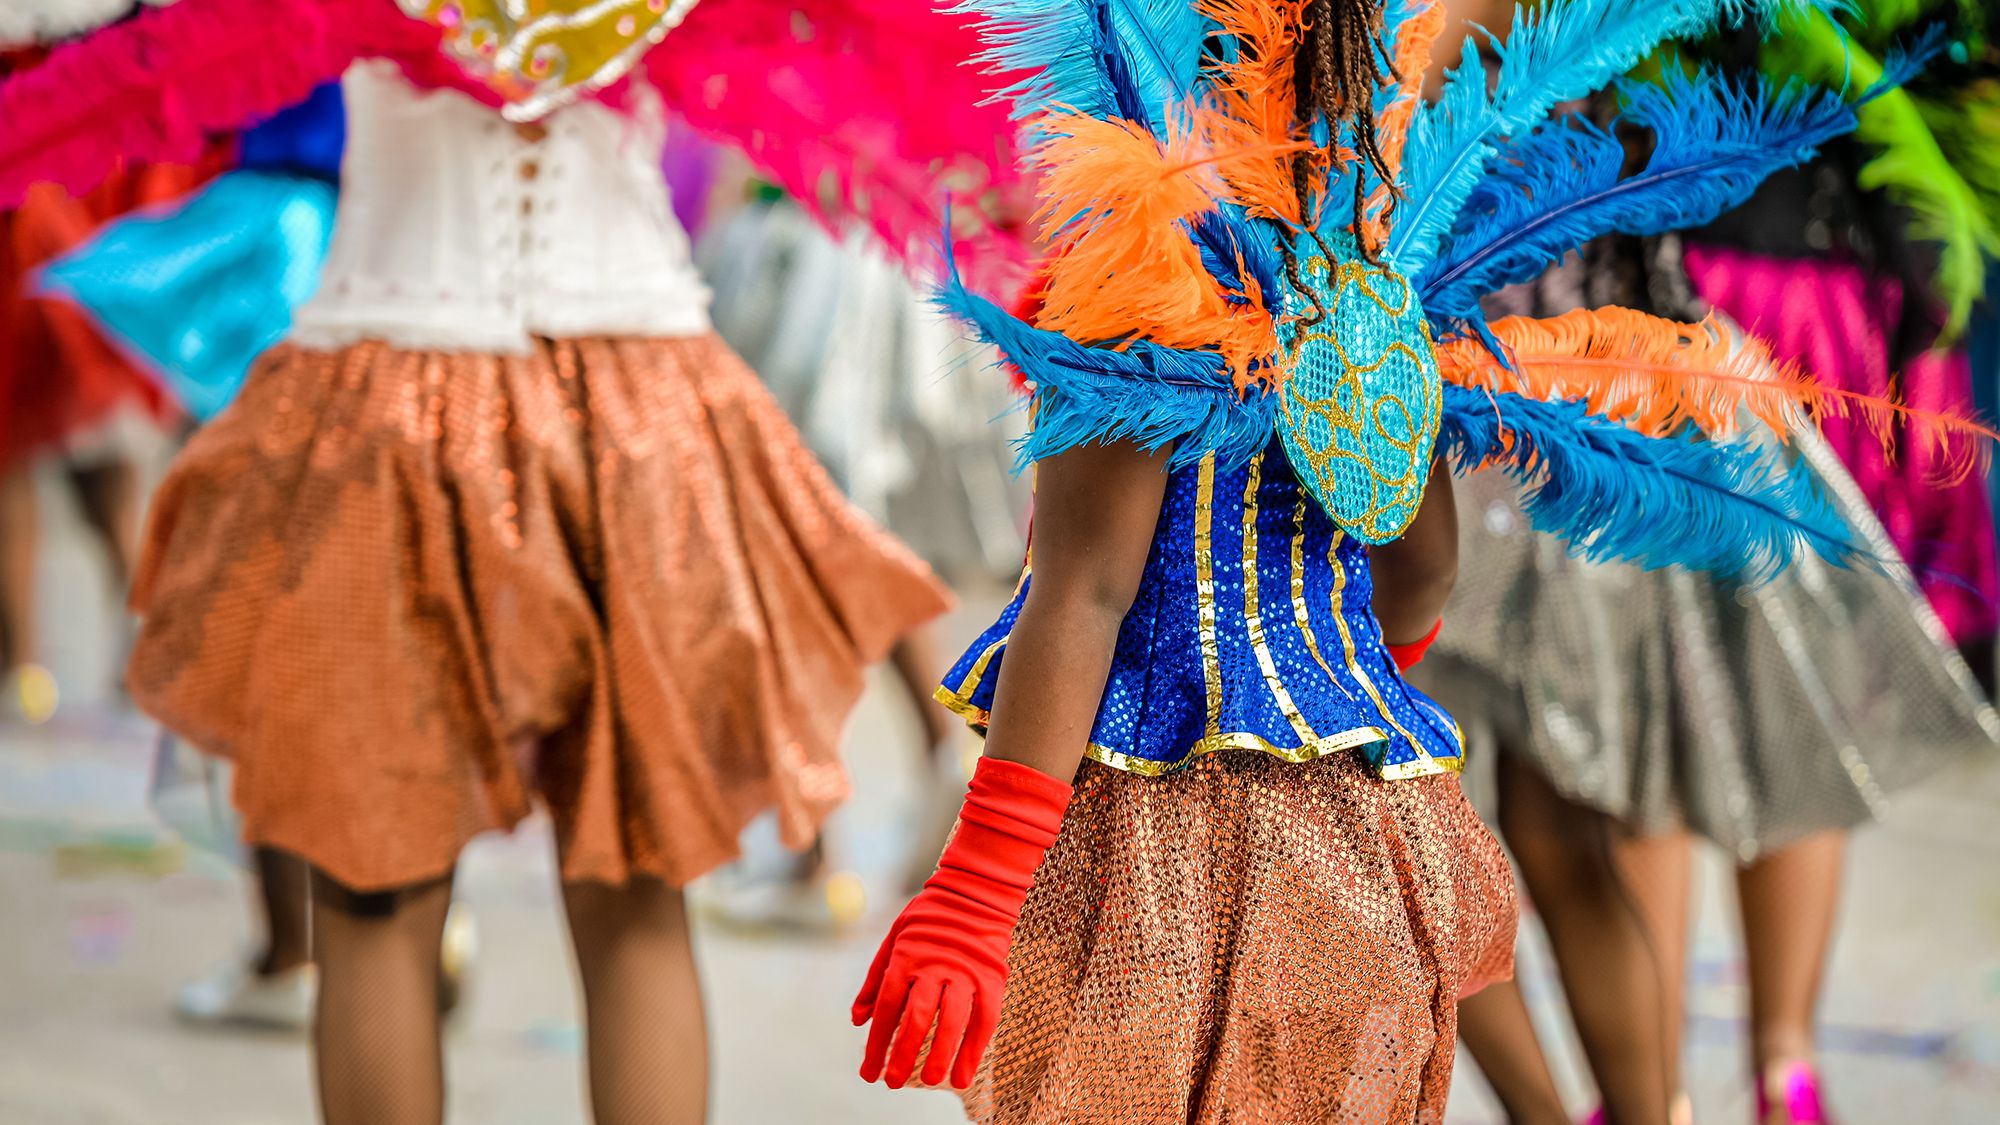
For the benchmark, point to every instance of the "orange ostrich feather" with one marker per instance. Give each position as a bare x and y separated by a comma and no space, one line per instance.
1257,90
1657,375
1115,198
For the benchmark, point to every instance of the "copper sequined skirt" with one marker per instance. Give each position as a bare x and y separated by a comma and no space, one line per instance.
410,593
1248,940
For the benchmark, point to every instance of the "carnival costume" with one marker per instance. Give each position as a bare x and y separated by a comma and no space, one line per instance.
197,293
1265,893
501,521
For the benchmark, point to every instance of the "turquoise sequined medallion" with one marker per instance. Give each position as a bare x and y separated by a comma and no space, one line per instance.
1359,412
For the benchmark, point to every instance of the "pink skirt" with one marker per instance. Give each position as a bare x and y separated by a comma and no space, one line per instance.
1833,320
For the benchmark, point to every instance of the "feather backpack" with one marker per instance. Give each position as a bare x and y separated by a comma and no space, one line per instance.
1212,287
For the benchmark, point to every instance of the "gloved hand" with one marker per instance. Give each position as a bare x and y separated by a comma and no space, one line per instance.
945,959
1410,655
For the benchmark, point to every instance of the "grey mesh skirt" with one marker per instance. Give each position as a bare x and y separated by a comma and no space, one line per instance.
1752,716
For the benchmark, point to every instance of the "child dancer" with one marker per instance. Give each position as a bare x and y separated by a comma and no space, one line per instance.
1226,912
501,523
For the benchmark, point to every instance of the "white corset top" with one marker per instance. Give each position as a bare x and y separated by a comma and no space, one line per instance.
457,231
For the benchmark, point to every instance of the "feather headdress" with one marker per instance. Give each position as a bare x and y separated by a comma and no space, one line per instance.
1200,300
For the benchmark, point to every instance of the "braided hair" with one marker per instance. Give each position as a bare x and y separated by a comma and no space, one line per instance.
1341,63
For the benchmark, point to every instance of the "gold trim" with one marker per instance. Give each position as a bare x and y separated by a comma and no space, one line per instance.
1299,755
960,703
1425,765
1204,565
1253,618
1300,612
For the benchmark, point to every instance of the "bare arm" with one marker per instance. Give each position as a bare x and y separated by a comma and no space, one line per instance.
1414,574
1096,508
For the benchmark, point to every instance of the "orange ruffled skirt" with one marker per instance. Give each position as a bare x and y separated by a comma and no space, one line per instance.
1248,940
409,594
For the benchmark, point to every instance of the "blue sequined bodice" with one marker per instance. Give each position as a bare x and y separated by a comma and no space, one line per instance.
1253,630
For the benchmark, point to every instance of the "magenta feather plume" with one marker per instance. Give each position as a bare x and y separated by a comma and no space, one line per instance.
160,87
863,110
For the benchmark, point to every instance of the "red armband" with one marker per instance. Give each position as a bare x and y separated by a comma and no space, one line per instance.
1410,655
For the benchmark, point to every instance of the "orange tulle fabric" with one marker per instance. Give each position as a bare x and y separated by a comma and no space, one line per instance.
1248,940
410,594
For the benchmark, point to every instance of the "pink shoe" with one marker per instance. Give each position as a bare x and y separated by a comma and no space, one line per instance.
1596,1117
1798,1084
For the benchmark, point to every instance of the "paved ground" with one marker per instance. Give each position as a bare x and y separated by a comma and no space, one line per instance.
102,913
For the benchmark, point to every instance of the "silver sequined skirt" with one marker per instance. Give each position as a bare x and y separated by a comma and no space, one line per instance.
1751,715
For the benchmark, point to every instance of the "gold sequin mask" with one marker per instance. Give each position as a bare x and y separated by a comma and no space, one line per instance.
1359,411
542,54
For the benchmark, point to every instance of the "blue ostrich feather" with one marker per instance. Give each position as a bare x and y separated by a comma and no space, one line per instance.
1559,186
1131,59
1141,392
1552,54
1727,507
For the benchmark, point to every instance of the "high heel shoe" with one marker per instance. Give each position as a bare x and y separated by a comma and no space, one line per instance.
1794,1085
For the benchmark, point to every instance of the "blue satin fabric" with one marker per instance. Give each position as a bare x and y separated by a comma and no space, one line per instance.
1253,630
198,293
195,294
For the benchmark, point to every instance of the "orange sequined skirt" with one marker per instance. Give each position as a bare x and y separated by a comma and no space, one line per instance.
409,594
1249,940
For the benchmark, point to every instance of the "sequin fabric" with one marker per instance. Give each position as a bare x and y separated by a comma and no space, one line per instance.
411,593
1248,940
1360,406
1254,630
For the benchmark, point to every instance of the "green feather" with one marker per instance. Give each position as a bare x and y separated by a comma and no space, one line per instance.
1911,162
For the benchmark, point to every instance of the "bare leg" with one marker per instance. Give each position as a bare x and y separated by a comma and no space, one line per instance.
109,491
1494,1025
1789,901
283,891
917,669
1616,909
378,1047
647,1036
20,539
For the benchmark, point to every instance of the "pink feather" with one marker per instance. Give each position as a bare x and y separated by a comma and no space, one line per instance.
864,109
158,87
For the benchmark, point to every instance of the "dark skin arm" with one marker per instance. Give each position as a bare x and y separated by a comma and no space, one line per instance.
1414,575
1096,508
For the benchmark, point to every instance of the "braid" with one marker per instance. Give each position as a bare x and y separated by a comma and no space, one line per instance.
1341,63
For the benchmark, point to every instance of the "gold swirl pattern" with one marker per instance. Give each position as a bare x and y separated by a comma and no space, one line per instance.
1361,403
542,54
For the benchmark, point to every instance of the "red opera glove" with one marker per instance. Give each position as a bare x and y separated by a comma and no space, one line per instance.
945,959
1410,655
